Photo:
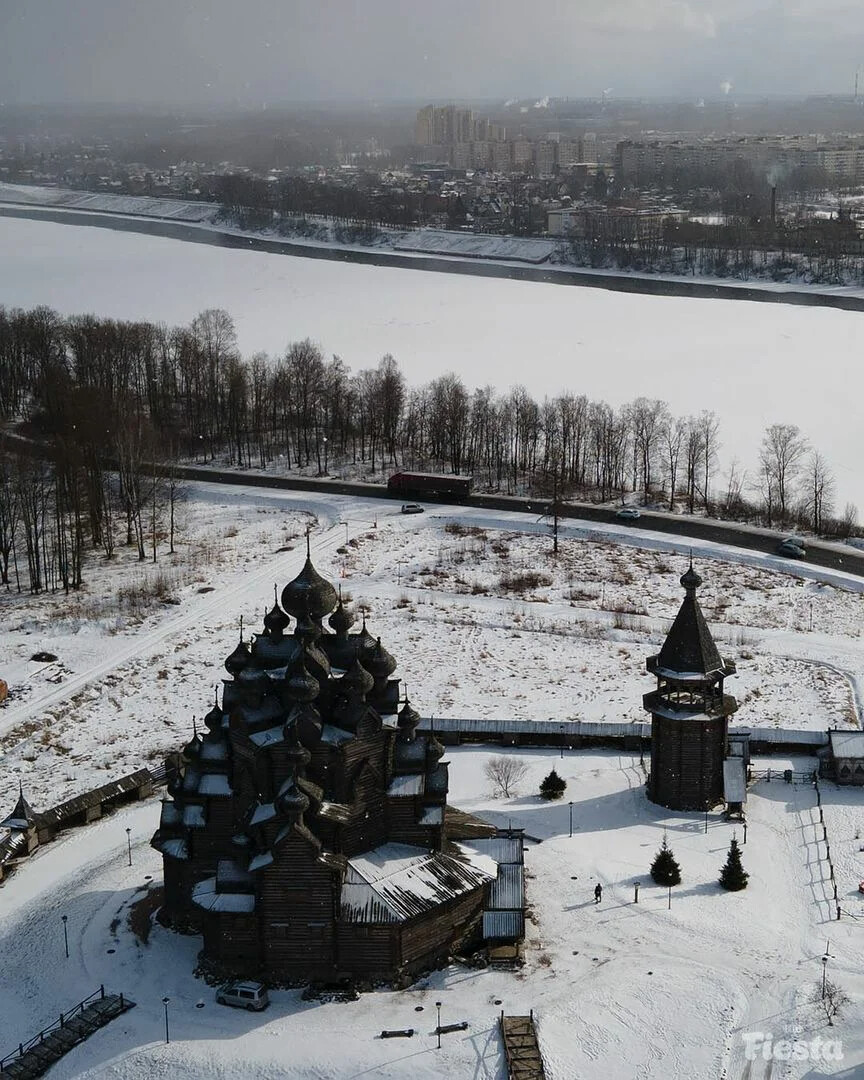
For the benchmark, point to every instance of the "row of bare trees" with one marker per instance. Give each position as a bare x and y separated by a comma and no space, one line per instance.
110,398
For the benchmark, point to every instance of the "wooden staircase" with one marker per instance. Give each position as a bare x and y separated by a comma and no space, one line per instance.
35,1057
521,1048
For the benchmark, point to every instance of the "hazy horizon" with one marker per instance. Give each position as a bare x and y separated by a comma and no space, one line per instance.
283,52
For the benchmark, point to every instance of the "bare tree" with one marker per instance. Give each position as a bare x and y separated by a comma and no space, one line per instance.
831,998
504,773
673,436
817,489
783,448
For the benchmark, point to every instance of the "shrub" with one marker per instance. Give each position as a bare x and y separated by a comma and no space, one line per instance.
553,787
733,876
665,870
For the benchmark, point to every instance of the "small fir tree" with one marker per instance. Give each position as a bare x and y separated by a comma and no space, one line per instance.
553,787
733,876
665,870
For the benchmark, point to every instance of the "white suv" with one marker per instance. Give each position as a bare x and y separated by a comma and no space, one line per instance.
244,995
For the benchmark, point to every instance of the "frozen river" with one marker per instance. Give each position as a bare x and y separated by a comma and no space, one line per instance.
753,364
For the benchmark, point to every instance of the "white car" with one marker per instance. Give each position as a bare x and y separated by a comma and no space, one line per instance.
412,508
628,513
244,995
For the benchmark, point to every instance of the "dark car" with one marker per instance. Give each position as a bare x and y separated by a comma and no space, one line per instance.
792,548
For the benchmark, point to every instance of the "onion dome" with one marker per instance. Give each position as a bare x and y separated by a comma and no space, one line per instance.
291,800
341,620
380,664
690,579
407,722
238,659
307,629
307,725
254,679
356,680
276,621
193,748
300,684
363,642
213,719
297,756
309,593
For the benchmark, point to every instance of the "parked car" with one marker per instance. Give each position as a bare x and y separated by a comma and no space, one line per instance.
628,513
792,548
412,508
244,995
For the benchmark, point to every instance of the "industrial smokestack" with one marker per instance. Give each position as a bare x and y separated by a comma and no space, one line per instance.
773,205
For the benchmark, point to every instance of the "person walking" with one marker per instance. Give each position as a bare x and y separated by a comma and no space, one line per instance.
598,893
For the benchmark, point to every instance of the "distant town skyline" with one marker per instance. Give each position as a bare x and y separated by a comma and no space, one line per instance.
282,51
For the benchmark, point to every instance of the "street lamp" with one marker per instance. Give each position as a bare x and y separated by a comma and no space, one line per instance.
438,1007
129,843
571,818
562,742
65,935
165,1001
824,974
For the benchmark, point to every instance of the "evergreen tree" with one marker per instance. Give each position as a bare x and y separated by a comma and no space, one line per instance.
665,870
553,786
733,876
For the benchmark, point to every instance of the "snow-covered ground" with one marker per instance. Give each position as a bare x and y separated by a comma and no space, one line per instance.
619,990
753,364
447,594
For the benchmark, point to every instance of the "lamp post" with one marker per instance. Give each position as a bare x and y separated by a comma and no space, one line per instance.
65,935
129,843
562,742
824,974
438,1007
324,440
571,818
165,1001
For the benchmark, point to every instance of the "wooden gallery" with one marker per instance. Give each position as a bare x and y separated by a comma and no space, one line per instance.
306,838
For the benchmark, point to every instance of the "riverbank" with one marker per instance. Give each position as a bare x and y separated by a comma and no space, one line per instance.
845,298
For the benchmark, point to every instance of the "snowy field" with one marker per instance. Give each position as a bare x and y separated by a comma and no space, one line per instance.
753,364
473,636
448,595
608,983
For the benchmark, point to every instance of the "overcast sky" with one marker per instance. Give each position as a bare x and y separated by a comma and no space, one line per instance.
256,51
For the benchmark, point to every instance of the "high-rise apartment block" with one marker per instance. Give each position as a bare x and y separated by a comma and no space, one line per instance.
446,125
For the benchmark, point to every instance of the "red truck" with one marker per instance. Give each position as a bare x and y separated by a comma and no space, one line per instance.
419,485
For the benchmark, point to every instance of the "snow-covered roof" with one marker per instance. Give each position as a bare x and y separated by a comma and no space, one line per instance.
214,784
847,744
263,812
396,882
407,785
734,780
335,735
260,861
205,896
193,816
175,847
268,737
214,750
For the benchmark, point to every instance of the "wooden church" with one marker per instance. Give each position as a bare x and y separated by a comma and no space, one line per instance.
306,835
